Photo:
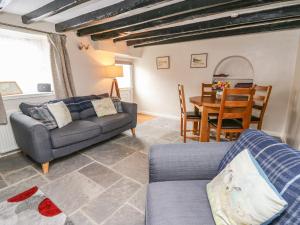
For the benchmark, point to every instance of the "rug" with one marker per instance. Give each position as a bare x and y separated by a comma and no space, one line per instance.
31,207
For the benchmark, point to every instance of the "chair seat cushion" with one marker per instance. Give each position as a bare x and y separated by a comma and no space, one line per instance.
193,115
74,132
111,122
254,119
178,203
227,123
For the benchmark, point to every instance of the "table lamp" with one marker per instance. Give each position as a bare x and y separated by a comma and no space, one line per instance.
113,72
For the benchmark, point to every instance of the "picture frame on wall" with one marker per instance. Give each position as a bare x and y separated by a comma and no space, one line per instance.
163,62
199,60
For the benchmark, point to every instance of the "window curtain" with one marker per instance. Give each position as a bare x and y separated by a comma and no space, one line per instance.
3,118
61,68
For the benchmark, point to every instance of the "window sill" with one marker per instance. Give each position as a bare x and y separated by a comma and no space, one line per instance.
27,96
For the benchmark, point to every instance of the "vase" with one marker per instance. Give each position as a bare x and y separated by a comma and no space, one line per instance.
219,94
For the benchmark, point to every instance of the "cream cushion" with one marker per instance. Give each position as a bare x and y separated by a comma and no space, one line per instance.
242,194
60,113
104,107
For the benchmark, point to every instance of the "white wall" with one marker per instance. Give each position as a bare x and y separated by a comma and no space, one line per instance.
292,131
273,56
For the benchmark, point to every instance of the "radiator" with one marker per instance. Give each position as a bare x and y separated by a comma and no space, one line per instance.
7,140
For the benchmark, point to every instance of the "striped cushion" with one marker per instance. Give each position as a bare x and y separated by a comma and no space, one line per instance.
281,164
79,104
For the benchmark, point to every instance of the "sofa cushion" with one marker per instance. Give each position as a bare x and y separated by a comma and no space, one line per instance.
281,164
74,132
112,122
178,203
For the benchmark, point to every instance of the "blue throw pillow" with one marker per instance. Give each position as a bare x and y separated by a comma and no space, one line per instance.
281,164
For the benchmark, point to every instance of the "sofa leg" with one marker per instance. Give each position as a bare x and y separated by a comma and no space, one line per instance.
45,167
133,131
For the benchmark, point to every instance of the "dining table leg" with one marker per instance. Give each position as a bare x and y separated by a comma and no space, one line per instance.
196,125
204,132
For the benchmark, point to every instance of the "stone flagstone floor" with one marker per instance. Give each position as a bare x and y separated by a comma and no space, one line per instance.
104,184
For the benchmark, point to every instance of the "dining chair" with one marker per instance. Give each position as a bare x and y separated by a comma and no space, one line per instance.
207,90
261,99
186,117
235,112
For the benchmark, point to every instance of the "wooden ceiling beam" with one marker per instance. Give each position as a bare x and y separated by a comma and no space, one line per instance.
50,9
166,14
268,27
211,25
104,13
243,19
153,18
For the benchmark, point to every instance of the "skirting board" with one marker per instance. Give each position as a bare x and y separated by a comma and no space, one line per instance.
272,133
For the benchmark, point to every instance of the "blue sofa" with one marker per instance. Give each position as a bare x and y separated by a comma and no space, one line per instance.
179,174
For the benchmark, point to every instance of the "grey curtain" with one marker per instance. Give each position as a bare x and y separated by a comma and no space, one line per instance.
61,68
3,118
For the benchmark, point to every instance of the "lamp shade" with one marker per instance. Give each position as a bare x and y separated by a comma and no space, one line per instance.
112,71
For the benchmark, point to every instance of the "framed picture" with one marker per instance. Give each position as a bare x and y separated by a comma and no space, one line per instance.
163,62
199,60
9,88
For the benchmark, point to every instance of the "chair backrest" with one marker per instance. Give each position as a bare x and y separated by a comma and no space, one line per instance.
206,90
261,99
236,103
182,99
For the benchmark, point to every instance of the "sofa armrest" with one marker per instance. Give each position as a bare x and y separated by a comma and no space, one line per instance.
186,161
32,137
131,108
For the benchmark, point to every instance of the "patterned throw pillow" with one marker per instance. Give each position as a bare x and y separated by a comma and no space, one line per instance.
280,162
104,107
61,113
43,115
242,194
118,104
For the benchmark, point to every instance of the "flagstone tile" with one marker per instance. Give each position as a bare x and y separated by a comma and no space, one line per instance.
126,216
100,174
135,167
109,153
13,162
72,191
80,219
19,175
110,200
2,183
139,199
65,165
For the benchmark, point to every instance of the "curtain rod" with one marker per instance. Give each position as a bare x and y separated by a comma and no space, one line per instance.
30,29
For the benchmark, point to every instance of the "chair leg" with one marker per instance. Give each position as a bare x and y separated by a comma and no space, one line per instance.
184,130
181,126
218,136
133,131
259,126
45,167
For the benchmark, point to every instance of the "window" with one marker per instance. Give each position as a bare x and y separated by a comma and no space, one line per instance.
25,59
126,80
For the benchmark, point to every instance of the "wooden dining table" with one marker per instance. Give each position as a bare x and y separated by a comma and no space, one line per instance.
208,105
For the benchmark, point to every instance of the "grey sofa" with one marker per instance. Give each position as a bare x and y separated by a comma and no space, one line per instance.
179,174
178,177
44,146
